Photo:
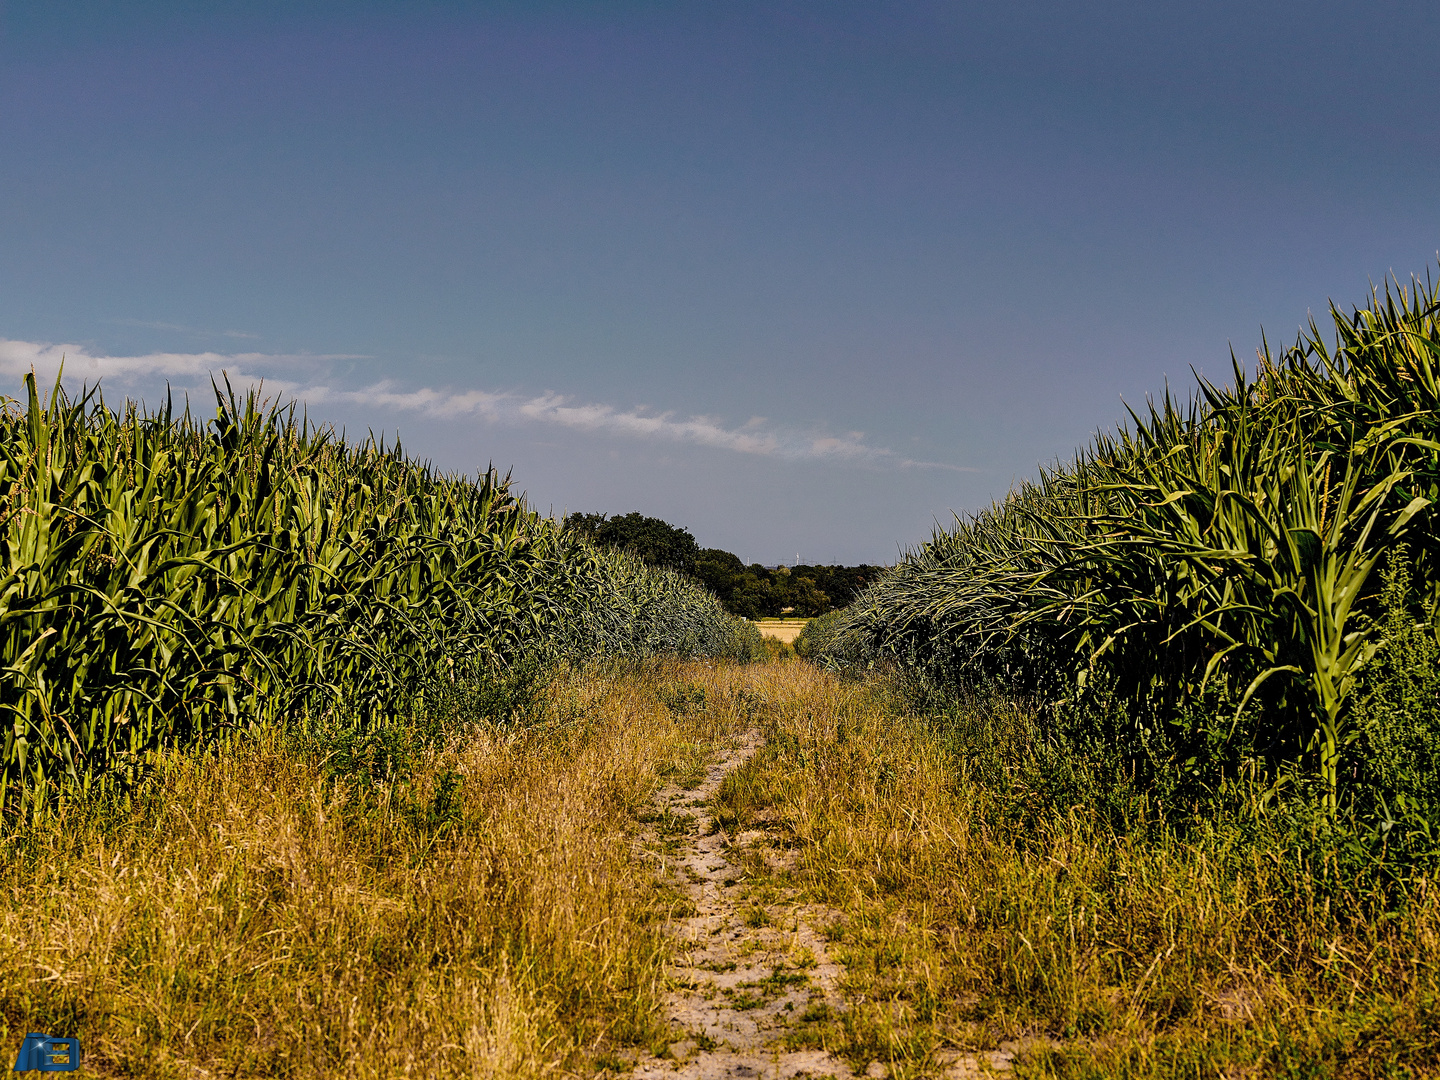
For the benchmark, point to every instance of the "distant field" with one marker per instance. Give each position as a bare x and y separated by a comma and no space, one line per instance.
786,630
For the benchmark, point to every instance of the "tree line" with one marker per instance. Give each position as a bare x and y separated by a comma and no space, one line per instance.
752,591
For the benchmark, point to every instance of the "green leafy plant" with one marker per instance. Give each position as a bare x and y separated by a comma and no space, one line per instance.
1210,570
1400,714
165,580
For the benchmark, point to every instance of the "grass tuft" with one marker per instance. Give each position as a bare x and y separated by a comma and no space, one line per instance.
977,905
461,900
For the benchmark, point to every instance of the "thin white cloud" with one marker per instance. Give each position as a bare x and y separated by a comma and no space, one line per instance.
756,437
19,358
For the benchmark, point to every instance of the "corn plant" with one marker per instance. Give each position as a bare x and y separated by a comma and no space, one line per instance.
1223,545
166,580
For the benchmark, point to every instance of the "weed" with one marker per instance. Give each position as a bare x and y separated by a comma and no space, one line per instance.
312,907
990,885
755,916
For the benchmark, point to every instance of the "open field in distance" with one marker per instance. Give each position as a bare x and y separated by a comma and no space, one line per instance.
785,630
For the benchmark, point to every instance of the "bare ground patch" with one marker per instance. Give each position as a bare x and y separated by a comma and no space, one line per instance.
755,989
751,971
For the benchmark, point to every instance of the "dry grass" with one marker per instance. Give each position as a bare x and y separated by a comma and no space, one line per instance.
250,913
969,919
483,911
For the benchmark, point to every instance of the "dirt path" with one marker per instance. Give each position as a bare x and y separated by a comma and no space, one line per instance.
745,974
748,975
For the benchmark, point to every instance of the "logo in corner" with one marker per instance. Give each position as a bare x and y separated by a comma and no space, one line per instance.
46,1053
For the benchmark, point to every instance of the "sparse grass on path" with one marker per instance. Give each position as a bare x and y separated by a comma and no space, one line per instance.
979,916
748,964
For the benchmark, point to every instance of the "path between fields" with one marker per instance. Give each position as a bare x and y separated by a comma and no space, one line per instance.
744,975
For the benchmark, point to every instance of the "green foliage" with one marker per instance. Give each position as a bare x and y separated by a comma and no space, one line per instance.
802,591
167,581
647,610
819,640
1400,714
656,542
752,592
1206,576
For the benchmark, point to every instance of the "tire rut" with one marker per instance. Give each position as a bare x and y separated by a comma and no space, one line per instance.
745,975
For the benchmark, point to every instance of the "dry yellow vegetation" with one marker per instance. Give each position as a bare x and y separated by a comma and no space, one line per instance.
480,911
499,900
991,897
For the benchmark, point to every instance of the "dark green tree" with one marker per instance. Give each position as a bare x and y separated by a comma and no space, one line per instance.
753,591
657,542
805,598
719,571
756,594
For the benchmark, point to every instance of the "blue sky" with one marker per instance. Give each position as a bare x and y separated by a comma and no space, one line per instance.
803,278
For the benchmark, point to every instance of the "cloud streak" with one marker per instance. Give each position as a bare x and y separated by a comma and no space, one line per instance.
757,437
19,358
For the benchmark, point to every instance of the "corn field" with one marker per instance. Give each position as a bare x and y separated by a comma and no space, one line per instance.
167,580
1214,564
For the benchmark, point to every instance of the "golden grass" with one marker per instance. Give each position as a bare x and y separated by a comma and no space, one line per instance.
965,922
249,915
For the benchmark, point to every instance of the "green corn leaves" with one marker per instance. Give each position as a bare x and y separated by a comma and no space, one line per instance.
1223,545
164,580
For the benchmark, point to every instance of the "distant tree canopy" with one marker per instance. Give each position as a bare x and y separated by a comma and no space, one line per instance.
657,542
801,591
751,591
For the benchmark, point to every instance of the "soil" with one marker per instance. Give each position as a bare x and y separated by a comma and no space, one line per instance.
748,975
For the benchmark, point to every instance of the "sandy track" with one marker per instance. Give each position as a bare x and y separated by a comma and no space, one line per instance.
744,975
